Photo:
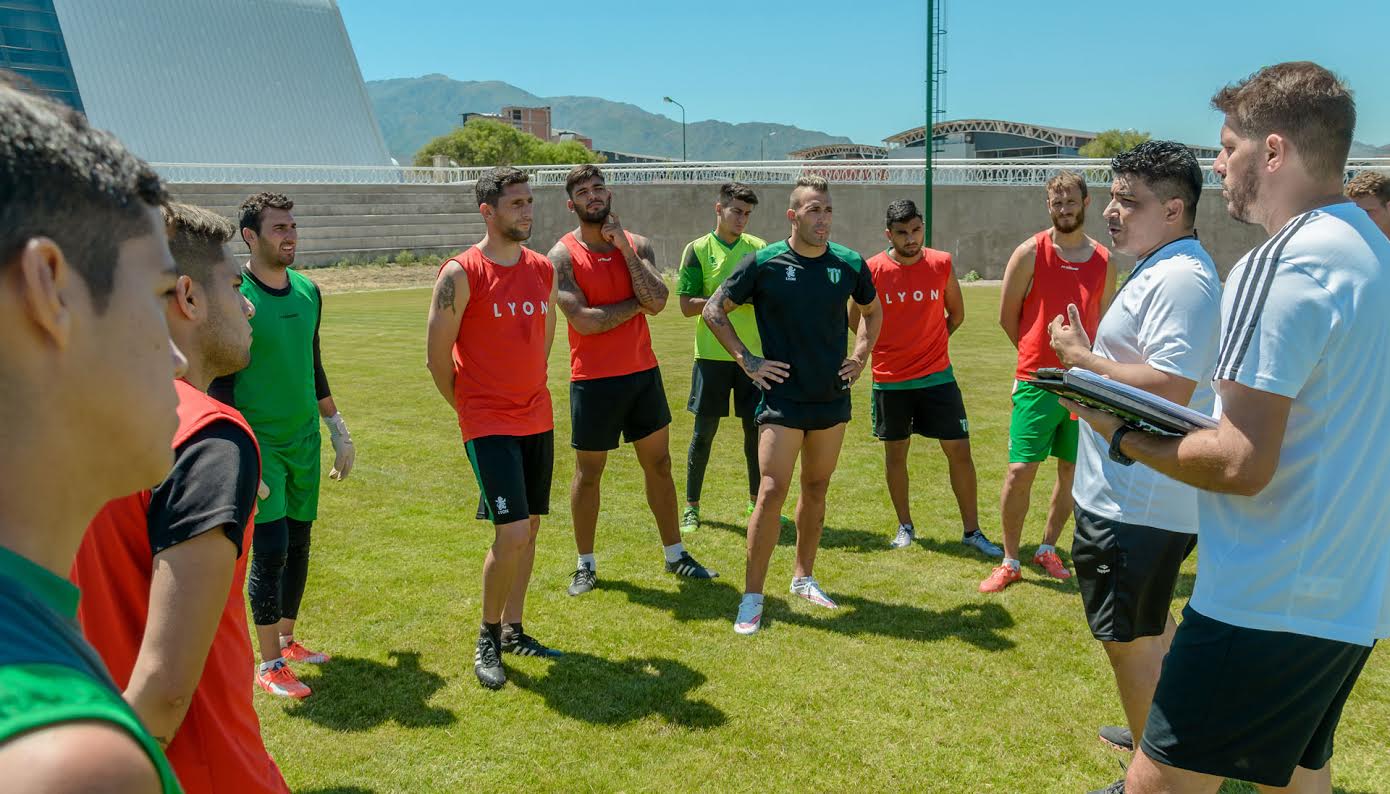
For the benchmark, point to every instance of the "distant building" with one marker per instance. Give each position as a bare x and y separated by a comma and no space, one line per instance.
168,79
532,121
991,139
840,151
629,157
560,136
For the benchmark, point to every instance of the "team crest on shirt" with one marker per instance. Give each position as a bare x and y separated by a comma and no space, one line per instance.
834,274
791,272
501,505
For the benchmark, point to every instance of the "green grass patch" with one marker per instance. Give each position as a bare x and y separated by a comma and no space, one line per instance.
918,683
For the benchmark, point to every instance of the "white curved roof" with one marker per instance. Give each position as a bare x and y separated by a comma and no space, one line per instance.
223,81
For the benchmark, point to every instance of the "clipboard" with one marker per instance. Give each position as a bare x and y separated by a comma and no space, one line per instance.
1136,407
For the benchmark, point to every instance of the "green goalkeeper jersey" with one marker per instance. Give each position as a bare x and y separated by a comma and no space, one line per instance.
704,266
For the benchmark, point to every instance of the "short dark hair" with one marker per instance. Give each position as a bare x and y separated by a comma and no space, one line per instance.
197,238
1369,183
76,185
1169,169
1064,179
1301,101
901,211
489,187
255,205
812,181
581,173
737,191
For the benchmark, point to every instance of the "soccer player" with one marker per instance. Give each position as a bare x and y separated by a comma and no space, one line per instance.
87,409
1291,591
1134,527
491,326
914,388
705,264
608,284
1052,269
282,394
1371,192
800,288
162,570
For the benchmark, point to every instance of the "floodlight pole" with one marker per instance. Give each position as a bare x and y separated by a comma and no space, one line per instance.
682,107
927,131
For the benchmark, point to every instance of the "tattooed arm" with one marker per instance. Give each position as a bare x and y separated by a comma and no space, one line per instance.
651,291
582,317
716,313
446,312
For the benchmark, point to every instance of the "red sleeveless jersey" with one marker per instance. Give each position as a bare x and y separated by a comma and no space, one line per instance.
500,355
618,351
913,342
218,748
1056,283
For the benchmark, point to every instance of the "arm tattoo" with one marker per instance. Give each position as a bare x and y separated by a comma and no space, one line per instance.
444,293
646,284
750,362
608,317
714,309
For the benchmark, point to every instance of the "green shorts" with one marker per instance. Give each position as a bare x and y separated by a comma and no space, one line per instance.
292,474
1040,427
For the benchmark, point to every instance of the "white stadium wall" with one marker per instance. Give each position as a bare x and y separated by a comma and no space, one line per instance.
223,81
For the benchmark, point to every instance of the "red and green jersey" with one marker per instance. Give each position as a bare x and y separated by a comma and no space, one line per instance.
705,264
500,353
912,349
1056,283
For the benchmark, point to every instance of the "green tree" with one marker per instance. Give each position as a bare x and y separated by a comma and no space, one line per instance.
1112,142
483,142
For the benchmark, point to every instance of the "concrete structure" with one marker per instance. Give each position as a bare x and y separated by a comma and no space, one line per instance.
31,44
839,151
210,81
996,139
610,156
360,222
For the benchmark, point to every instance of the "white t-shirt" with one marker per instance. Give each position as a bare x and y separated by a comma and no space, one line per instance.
1307,316
1168,316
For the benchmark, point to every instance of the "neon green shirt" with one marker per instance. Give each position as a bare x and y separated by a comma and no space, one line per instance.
48,673
704,266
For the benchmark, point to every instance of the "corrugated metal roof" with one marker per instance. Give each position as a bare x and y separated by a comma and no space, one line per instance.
223,81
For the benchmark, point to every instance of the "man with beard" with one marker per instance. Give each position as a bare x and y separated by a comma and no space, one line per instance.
1051,270
87,410
800,288
705,264
915,387
283,393
1292,591
491,325
608,284
162,570
1134,527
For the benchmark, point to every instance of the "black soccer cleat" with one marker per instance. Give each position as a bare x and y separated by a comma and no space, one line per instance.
487,665
687,566
523,644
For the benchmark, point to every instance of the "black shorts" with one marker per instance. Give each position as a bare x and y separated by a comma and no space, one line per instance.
931,411
1126,573
513,475
712,380
633,406
799,415
1249,704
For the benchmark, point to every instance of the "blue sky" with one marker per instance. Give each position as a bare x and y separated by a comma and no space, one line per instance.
856,68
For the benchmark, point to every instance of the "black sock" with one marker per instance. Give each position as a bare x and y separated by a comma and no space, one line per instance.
493,630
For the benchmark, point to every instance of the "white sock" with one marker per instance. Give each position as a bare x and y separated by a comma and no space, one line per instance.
285,640
1044,548
587,561
266,667
1012,563
674,551
752,599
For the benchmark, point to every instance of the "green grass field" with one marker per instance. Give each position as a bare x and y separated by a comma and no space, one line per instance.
918,682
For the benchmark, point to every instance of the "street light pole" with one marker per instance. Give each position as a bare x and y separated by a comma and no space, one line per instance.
762,145
682,107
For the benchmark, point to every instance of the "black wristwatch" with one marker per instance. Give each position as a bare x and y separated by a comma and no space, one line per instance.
1115,453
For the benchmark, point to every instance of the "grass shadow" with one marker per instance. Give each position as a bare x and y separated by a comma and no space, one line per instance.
338,790
605,692
858,541
978,624
1183,589
352,694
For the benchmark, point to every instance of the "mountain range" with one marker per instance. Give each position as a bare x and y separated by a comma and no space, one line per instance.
413,110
